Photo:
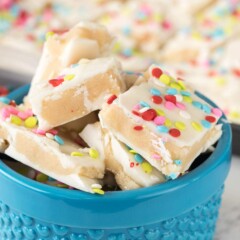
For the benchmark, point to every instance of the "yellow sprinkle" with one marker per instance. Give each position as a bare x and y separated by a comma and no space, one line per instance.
234,114
147,168
187,99
117,47
132,151
49,34
197,126
69,77
157,17
196,36
176,86
220,81
30,122
182,84
98,191
160,112
180,125
168,123
164,78
93,153
16,120
76,154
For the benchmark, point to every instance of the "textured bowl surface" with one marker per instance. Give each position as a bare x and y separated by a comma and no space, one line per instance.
186,208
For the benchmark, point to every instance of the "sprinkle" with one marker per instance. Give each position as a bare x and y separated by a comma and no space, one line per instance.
144,109
185,93
217,112
24,115
155,92
176,86
5,100
13,110
41,177
111,99
181,84
160,112
164,78
98,191
58,140
132,164
56,82
159,120
16,120
69,77
168,123
179,97
187,99
49,34
206,108
156,156
30,122
185,114
138,158
149,115
197,126
170,98
174,132
157,99
50,136
96,185
181,105
172,91
132,151
205,123
156,72
53,131
147,168
93,153
5,113
180,125
173,176
136,113
138,128
39,131
144,104
197,104
169,105
76,154
162,129
210,119
178,162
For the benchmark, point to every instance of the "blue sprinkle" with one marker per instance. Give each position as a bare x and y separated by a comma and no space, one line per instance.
185,93
5,100
197,104
206,124
126,30
173,176
178,162
155,92
206,108
172,91
138,158
58,140
162,129
127,52
144,104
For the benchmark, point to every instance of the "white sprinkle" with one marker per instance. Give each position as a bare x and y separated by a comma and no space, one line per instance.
142,110
49,135
179,98
96,185
185,114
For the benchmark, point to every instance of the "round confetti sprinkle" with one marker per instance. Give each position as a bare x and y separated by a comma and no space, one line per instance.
59,140
206,108
205,123
162,129
217,112
111,99
69,77
147,168
138,158
197,126
49,135
172,91
156,156
159,120
185,114
56,82
180,125
132,151
156,72
175,85
164,78
76,154
5,100
98,191
138,128
157,99
41,177
131,164
169,105
178,162
185,93
173,176
210,119
136,113
179,98
149,115
170,98
187,99
174,132
160,112
144,104
155,92
31,122
93,153
168,123
197,104
181,105
16,120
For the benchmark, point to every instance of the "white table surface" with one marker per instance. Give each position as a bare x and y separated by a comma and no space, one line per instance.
228,227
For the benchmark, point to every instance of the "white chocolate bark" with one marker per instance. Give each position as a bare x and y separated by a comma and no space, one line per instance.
179,132
128,172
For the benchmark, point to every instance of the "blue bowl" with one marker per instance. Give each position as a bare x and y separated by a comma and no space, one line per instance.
186,208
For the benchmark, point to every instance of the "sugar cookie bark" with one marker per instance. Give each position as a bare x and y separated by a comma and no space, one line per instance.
56,153
164,121
76,91
131,170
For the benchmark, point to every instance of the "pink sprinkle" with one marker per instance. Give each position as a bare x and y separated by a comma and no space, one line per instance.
5,113
217,112
24,115
159,120
169,105
137,107
156,156
39,131
13,110
181,105
166,25
53,131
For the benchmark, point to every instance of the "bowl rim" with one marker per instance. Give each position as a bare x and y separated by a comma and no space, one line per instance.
224,144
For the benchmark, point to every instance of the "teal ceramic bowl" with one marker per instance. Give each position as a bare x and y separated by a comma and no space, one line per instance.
186,208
